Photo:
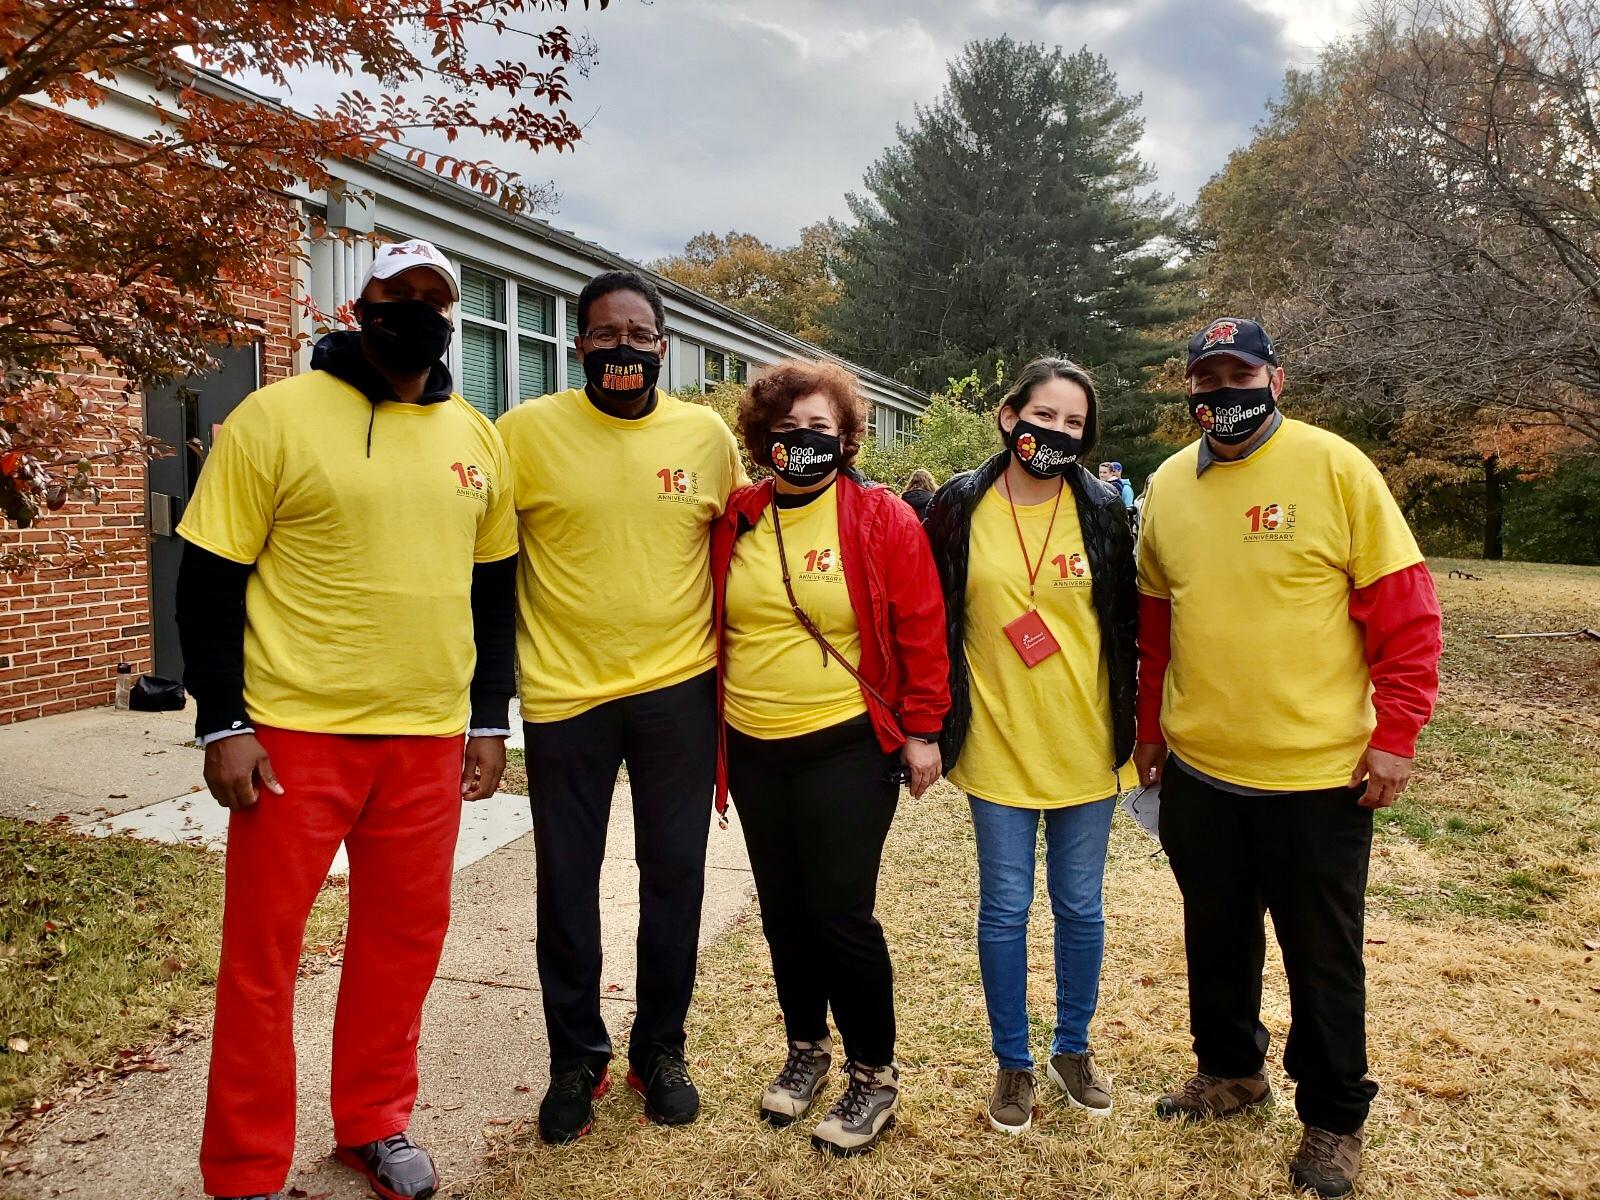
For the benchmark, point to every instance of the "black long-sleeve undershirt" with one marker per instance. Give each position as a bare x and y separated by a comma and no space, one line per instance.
211,618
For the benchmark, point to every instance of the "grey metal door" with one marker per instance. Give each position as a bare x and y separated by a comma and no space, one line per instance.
184,414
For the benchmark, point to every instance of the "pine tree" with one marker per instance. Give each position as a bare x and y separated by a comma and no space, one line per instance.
1009,221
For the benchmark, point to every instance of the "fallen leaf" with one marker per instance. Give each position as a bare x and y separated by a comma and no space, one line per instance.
522,1087
17,1045
499,1121
1146,981
1591,944
1377,942
84,1141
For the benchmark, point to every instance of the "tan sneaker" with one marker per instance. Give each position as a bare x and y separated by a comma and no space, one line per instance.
791,1095
1214,1096
1327,1163
1086,1085
863,1111
1011,1103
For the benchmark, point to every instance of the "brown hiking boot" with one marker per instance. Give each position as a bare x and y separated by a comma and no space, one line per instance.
1011,1102
1086,1085
1213,1096
1327,1163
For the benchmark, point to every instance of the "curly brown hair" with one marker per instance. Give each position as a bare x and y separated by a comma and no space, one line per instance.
773,394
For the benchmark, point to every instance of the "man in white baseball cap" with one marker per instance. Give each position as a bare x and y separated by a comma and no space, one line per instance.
346,608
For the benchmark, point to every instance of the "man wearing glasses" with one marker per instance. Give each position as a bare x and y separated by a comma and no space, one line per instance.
616,488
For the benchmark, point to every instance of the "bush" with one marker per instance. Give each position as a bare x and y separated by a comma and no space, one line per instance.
1557,519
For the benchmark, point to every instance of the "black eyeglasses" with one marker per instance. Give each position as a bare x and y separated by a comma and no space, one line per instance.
610,339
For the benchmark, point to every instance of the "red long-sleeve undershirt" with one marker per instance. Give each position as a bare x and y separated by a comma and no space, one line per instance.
1400,620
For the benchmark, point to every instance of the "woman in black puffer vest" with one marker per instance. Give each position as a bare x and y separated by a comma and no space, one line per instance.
1036,561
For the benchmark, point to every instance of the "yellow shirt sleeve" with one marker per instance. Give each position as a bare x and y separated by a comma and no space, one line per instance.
497,531
234,502
1152,579
737,477
1381,542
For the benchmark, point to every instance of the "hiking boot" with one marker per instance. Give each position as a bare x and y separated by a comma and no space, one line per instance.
1213,1096
396,1167
669,1094
1080,1077
567,1111
1327,1163
1011,1102
862,1112
791,1095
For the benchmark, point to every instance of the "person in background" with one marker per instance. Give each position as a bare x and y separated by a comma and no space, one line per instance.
919,492
1111,473
1288,658
825,715
1036,561
617,485
332,693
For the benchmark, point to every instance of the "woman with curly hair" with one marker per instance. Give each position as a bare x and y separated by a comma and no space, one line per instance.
833,691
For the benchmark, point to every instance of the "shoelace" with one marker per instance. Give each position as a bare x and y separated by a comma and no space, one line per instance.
1016,1085
857,1094
1323,1144
1196,1088
800,1062
671,1070
576,1084
397,1141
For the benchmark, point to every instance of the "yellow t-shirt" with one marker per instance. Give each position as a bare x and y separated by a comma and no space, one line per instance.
359,611
776,681
1039,737
1268,686
614,580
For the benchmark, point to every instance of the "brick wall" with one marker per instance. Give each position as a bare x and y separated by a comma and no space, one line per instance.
62,633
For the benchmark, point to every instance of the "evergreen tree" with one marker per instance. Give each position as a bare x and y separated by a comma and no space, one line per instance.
1008,222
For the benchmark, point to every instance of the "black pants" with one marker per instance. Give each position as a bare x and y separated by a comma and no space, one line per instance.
815,812
668,739
1302,856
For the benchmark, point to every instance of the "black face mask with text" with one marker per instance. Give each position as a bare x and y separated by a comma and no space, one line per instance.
1043,453
405,336
803,457
622,373
1232,415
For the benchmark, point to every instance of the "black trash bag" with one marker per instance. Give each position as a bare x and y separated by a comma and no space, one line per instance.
153,693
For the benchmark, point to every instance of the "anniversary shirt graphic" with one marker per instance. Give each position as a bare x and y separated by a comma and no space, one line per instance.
823,566
1072,571
678,486
1270,523
471,482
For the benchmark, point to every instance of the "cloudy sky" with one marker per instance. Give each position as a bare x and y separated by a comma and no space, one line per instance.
760,115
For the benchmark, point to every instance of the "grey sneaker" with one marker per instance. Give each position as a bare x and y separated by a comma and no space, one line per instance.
396,1167
791,1095
1011,1102
863,1111
258,1196
1213,1096
1086,1085
1327,1163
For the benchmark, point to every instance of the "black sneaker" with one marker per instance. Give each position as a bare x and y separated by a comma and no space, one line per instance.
567,1111
669,1094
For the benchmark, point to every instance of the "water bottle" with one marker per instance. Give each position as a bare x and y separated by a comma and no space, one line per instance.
124,685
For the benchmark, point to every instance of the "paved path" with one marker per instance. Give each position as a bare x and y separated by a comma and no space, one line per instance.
483,1046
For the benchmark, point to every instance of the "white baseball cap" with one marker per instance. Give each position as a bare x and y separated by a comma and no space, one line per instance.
389,261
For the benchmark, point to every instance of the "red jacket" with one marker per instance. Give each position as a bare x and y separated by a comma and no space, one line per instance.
894,589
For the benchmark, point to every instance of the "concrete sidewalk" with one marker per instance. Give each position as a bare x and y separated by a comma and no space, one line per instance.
483,1054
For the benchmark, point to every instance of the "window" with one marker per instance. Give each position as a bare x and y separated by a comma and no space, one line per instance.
575,376
536,342
721,367
483,341
738,369
715,368
904,427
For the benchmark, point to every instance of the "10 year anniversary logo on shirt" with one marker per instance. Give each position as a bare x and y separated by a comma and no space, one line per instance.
1073,571
471,482
1270,523
678,486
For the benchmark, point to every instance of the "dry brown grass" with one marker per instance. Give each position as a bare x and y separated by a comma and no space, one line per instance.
1484,1002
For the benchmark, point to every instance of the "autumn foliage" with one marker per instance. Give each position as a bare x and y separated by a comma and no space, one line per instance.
129,254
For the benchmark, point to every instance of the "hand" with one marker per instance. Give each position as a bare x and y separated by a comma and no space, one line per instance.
1150,760
924,763
482,767
1386,775
233,767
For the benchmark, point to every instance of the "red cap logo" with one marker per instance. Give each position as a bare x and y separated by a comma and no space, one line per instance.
1221,333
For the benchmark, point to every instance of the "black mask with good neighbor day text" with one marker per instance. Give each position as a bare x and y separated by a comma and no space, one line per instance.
1043,453
622,373
1232,415
803,457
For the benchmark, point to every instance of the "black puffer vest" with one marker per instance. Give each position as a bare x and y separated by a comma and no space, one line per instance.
1109,544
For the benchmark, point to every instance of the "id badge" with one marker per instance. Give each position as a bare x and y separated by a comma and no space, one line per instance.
1032,638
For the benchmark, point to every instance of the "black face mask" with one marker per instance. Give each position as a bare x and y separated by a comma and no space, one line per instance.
622,373
804,456
405,336
1232,415
1043,453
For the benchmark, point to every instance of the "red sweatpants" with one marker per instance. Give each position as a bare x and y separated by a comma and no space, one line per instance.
395,802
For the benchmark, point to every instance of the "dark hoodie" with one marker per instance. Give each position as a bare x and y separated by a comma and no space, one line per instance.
211,589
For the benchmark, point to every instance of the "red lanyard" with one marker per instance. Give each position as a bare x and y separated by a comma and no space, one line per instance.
1033,568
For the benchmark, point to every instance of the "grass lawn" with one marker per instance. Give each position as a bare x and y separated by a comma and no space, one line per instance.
106,946
1484,986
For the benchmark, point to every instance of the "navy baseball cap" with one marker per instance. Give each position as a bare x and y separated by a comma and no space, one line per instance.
1235,336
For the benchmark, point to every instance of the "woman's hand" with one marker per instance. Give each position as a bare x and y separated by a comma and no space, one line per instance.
923,761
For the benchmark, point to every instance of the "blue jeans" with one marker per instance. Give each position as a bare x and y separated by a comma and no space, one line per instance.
1075,865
